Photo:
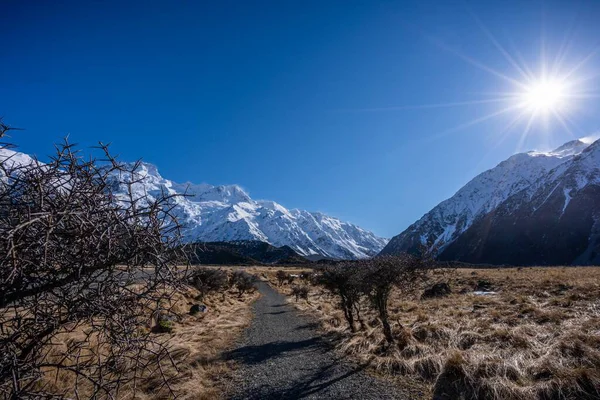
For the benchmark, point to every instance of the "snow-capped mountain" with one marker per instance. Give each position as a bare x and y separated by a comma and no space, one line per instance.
533,208
227,213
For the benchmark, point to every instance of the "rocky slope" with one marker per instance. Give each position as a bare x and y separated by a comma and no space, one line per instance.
533,208
245,252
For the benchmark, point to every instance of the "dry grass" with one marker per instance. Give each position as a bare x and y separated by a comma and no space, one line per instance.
537,337
195,368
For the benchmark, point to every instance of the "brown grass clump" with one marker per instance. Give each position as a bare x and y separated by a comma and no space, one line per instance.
194,369
536,336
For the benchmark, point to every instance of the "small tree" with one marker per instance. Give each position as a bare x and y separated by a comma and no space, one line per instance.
345,281
307,276
244,282
382,274
301,292
208,280
281,276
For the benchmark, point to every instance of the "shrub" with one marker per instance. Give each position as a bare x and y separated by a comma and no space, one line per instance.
76,239
244,282
301,292
344,280
208,280
282,276
165,326
307,276
381,274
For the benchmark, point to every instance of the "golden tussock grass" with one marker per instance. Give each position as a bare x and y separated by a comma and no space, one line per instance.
536,337
195,368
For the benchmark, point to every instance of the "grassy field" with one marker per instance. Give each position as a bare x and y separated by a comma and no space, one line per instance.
195,369
519,333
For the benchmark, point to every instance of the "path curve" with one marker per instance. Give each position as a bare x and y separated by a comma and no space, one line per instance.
283,356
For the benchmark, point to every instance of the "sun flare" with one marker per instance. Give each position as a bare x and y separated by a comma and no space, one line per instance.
545,96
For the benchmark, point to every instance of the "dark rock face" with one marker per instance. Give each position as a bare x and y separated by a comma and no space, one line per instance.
527,235
243,252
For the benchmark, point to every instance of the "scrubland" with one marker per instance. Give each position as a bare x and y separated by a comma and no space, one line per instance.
514,333
194,368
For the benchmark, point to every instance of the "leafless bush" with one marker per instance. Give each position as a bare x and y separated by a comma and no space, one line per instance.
373,278
243,282
208,280
281,277
300,292
78,257
291,278
307,276
345,281
382,274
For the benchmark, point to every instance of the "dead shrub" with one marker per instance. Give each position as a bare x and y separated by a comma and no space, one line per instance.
208,280
345,282
281,276
300,292
382,274
243,282
82,252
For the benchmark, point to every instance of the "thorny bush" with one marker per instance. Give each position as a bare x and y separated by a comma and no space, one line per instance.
83,250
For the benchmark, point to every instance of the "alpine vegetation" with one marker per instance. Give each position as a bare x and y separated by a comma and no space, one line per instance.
374,280
76,263
497,334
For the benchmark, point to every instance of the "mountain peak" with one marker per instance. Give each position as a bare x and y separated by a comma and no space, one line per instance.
226,213
519,212
232,193
149,169
570,148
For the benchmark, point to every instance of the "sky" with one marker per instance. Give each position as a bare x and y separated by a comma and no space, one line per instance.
370,111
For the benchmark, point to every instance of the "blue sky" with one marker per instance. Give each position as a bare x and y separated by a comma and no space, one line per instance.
310,104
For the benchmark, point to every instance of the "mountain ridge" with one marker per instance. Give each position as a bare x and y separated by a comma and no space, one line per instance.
501,211
226,213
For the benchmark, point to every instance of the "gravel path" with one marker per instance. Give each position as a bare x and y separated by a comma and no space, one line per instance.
283,356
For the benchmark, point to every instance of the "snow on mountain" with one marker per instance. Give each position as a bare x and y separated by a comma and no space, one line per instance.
11,159
555,221
520,179
227,213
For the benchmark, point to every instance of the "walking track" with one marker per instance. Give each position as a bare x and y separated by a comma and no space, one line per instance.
283,356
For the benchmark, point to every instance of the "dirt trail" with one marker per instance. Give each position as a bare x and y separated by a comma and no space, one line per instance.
283,356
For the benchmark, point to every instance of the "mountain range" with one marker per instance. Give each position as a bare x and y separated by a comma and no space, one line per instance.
533,208
226,213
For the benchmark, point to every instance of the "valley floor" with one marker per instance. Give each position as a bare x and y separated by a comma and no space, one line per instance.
502,333
283,355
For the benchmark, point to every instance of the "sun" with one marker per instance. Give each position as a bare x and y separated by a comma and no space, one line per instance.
542,95
545,96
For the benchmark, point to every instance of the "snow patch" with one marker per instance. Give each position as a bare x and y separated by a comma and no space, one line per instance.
567,193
